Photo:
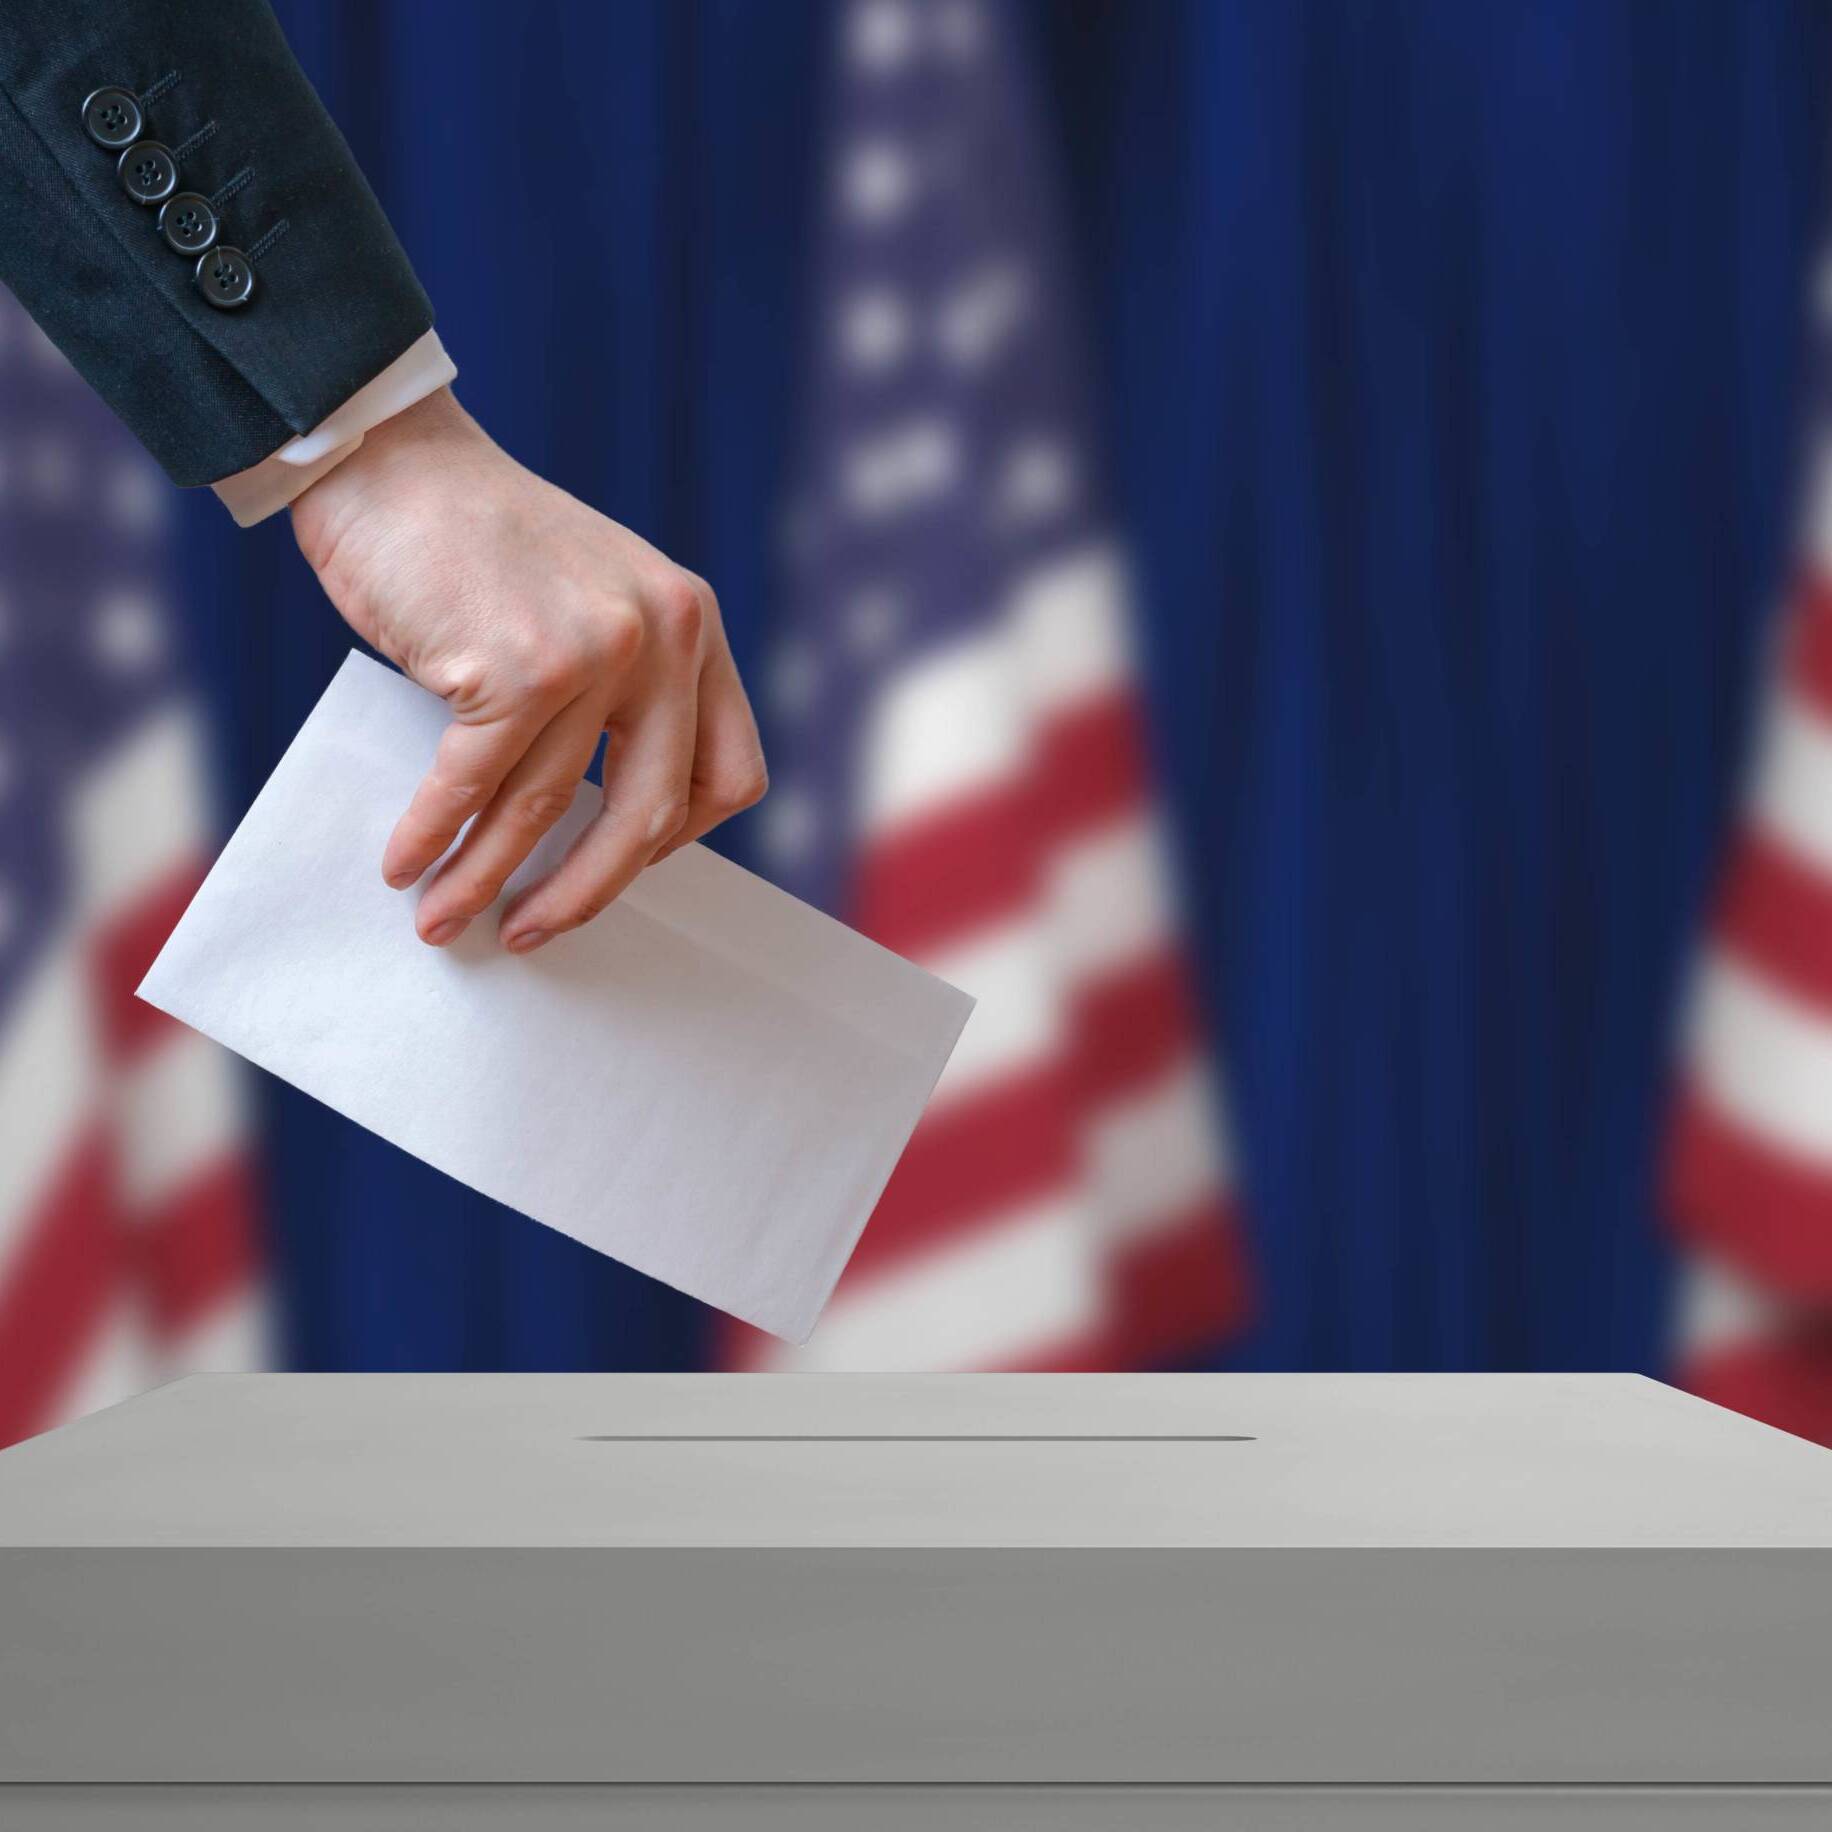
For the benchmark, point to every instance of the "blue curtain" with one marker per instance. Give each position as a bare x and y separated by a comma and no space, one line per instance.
1451,358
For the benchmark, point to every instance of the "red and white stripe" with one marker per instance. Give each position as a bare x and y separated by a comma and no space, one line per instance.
1749,1174
1068,1199
127,1251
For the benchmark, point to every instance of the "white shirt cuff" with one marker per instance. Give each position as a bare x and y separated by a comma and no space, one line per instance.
266,488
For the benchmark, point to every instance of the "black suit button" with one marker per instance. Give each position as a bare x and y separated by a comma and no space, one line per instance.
149,173
225,277
188,223
112,118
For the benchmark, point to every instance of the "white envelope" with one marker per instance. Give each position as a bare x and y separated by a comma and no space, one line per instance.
711,1082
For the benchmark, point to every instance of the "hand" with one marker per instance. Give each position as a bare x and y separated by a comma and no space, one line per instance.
542,625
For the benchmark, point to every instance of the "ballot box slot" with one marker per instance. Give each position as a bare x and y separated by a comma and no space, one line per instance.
907,1437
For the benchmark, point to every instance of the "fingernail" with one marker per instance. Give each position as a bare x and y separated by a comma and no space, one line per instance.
442,932
399,880
526,942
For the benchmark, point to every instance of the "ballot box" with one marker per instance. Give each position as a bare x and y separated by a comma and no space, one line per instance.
699,1603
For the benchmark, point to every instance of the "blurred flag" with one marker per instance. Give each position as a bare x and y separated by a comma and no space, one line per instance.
125,1241
960,759
1749,1174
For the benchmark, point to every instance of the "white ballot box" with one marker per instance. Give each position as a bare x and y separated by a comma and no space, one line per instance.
1132,1604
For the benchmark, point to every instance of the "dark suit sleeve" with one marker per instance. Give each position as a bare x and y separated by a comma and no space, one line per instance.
208,389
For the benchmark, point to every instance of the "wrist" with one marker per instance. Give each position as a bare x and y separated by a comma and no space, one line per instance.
283,476
434,419
401,453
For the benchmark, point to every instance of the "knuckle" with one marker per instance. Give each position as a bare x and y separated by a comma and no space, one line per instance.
553,672
541,667
460,680
467,899
665,819
485,885
460,796
619,634
540,807
742,787
680,612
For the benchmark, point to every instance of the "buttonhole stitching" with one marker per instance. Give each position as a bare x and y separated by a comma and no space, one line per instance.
206,132
260,247
239,182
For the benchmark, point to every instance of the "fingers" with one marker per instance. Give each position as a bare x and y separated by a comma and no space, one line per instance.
728,768
685,756
646,786
533,795
468,769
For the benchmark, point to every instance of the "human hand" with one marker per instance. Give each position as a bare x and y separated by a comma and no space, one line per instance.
542,625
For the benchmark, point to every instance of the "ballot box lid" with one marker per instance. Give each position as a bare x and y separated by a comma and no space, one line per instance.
1145,1460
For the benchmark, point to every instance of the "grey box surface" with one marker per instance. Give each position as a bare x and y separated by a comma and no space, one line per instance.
1492,1581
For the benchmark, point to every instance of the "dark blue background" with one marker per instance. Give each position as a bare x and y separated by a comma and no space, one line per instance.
1452,357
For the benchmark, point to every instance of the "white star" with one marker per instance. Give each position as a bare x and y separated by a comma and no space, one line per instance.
877,181
873,620
882,35
895,470
975,317
874,329
136,496
126,631
1037,480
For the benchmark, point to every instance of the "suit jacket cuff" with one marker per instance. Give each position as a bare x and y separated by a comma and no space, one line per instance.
266,488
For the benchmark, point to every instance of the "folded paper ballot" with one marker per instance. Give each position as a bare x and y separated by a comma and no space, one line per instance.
711,1082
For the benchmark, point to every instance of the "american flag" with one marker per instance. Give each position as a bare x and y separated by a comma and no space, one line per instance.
1749,1174
126,1246
959,750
